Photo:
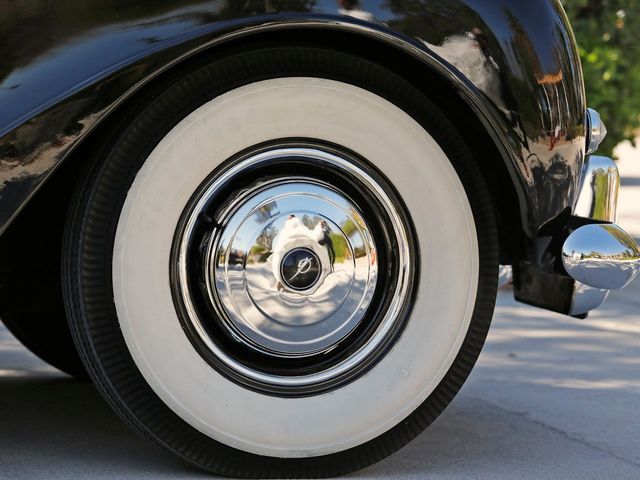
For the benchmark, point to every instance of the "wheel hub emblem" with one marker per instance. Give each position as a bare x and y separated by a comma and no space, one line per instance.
300,269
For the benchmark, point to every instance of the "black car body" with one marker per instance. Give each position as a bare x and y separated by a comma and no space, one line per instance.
67,66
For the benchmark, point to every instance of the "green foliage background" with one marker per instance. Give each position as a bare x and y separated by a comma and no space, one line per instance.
608,36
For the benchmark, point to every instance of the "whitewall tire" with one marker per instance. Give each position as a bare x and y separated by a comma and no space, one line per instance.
212,404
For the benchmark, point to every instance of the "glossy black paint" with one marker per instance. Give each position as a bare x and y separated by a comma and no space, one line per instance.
66,64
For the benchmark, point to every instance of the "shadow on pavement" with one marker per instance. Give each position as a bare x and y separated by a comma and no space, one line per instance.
56,427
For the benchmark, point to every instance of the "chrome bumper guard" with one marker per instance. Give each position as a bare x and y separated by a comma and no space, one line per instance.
599,256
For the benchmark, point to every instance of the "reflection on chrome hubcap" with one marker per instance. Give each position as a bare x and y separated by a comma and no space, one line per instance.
294,267
290,268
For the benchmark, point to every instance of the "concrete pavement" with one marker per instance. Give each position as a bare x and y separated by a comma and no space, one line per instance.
551,397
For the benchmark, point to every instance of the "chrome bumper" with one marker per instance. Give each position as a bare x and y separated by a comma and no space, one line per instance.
599,256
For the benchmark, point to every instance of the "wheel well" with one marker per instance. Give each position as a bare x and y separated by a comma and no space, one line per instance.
45,214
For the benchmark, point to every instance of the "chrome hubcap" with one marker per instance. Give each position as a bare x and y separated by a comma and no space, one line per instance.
293,268
282,286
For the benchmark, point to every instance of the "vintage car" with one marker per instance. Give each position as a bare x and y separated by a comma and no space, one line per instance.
270,231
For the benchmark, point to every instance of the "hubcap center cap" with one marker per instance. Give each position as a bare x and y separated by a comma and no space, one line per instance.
300,269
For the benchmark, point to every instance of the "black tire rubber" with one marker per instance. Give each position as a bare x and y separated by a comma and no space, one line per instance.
92,224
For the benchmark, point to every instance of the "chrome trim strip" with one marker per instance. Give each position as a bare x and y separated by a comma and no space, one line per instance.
598,196
596,131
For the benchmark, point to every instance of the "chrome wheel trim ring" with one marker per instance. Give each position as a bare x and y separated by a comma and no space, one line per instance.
221,240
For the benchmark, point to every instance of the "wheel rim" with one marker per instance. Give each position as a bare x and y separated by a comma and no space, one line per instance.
304,278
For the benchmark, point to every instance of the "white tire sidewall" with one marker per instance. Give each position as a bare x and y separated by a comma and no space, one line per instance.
373,403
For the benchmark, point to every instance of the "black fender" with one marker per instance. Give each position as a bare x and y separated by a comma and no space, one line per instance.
67,65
